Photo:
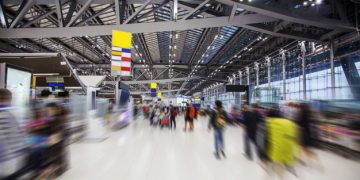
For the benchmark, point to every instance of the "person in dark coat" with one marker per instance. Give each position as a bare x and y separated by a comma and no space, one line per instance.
251,120
304,122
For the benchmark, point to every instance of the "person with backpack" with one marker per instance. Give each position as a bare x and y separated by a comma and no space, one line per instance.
152,115
218,120
189,117
173,114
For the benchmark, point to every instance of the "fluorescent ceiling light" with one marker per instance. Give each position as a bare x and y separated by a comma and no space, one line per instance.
46,74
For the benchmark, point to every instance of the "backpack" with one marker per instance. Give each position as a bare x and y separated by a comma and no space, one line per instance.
173,112
191,112
220,120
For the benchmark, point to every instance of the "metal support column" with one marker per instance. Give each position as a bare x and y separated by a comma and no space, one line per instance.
257,74
268,64
211,91
248,83
283,58
240,77
175,10
234,79
117,83
248,75
117,12
123,9
217,91
3,17
303,67
332,70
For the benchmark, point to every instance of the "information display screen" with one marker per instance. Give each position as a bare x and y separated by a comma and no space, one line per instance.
236,88
19,83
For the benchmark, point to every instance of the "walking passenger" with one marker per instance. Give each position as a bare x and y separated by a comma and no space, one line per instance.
218,120
173,114
189,117
304,121
251,119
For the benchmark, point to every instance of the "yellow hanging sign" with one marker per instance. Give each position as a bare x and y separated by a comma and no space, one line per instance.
153,86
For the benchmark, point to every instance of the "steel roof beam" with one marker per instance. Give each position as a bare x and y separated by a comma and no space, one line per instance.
233,11
59,13
3,17
117,12
52,2
285,35
95,15
163,91
150,12
79,13
38,18
158,81
136,66
137,12
9,49
71,11
162,72
261,8
196,9
25,6
240,20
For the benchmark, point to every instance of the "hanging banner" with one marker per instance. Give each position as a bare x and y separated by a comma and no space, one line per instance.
121,53
159,95
153,94
153,85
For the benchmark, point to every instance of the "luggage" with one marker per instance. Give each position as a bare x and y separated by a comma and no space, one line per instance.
283,141
191,112
165,121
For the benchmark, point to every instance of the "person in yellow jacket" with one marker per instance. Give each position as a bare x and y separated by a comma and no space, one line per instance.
282,138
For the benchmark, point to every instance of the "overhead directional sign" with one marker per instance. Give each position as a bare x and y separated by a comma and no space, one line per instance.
236,88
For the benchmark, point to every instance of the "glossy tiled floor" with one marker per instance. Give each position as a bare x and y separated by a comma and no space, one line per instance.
140,152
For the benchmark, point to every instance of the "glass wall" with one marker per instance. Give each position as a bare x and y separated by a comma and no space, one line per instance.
318,77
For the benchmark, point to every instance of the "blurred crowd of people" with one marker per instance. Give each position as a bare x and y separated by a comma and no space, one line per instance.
162,115
279,136
37,149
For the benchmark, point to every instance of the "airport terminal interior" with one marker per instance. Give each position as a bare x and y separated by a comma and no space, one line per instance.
180,89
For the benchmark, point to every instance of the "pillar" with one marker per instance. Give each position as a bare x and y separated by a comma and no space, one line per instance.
257,74
268,64
248,75
332,70
303,67
240,77
283,58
